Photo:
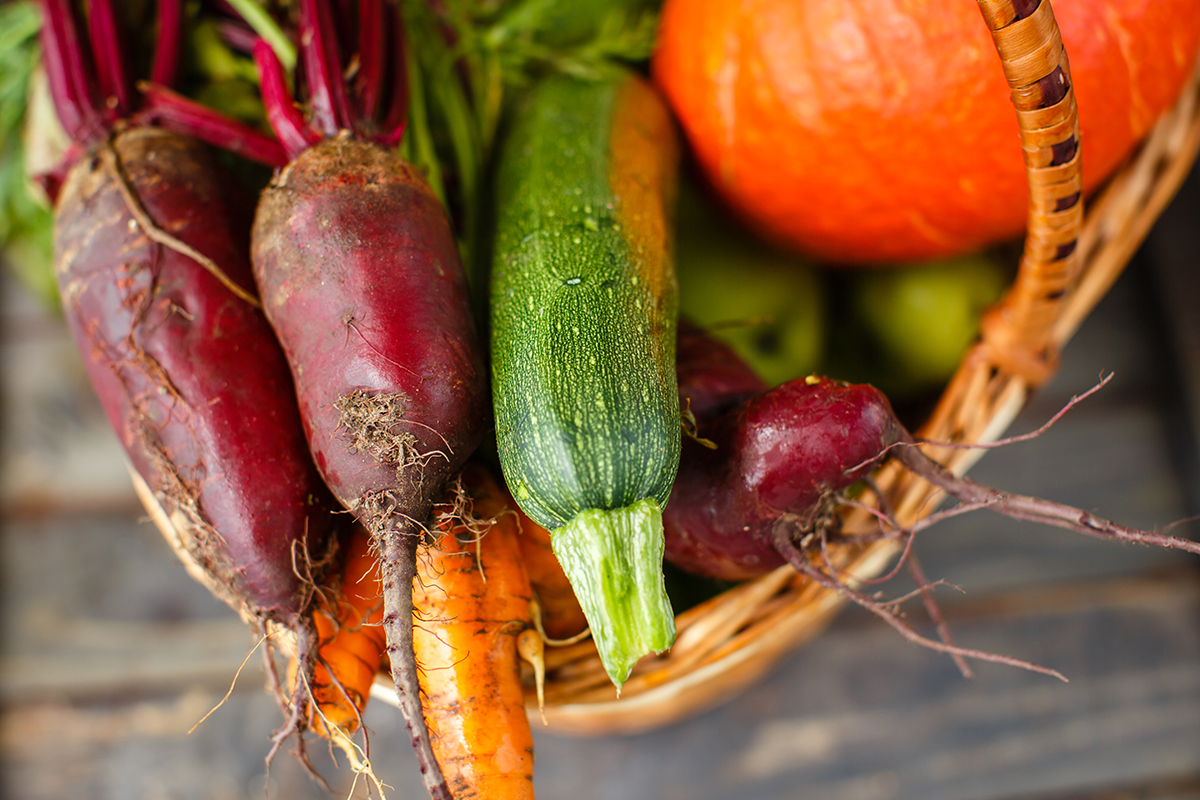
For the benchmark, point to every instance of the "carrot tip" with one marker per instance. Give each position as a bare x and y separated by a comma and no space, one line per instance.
532,648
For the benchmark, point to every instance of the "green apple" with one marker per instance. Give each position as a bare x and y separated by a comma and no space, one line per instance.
923,318
765,304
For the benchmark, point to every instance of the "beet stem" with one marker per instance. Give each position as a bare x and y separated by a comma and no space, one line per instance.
109,56
372,29
173,111
398,564
285,119
165,66
71,86
323,68
396,120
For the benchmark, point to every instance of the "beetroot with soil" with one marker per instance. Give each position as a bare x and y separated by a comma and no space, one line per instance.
360,276
185,365
361,280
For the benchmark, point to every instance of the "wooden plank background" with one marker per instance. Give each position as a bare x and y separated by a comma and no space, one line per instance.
109,653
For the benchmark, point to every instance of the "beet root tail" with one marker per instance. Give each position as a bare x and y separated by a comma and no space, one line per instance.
398,563
886,611
1034,509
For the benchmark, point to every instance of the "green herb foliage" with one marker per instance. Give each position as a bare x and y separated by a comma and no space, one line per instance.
26,223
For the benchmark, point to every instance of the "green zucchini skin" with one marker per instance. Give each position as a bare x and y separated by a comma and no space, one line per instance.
584,299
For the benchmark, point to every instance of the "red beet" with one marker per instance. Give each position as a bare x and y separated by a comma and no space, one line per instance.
712,378
361,279
189,373
762,485
760,478
152,260
780,459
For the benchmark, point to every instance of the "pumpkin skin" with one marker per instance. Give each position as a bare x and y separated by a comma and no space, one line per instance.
869,131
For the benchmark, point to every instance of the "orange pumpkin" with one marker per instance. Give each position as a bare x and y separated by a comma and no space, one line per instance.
882,130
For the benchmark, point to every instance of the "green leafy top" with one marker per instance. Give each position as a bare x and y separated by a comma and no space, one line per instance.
25,220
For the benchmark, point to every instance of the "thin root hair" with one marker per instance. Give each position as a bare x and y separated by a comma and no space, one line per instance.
802,564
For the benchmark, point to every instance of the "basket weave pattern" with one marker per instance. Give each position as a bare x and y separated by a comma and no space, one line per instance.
1067,265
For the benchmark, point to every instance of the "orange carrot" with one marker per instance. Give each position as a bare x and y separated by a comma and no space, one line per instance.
471,601
352,644
562,617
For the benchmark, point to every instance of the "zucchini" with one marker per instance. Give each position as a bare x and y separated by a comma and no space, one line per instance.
583,310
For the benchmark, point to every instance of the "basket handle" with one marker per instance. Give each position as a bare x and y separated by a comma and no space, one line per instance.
1017,333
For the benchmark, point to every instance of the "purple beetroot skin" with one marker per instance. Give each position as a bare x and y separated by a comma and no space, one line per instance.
361,279
712,378
189,374
780,459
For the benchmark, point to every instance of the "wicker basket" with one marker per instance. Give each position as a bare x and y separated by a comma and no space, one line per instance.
1069,262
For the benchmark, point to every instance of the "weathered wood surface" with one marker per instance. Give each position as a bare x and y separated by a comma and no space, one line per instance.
110,653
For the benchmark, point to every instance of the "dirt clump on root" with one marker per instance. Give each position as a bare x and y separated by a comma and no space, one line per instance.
189,533
374,422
